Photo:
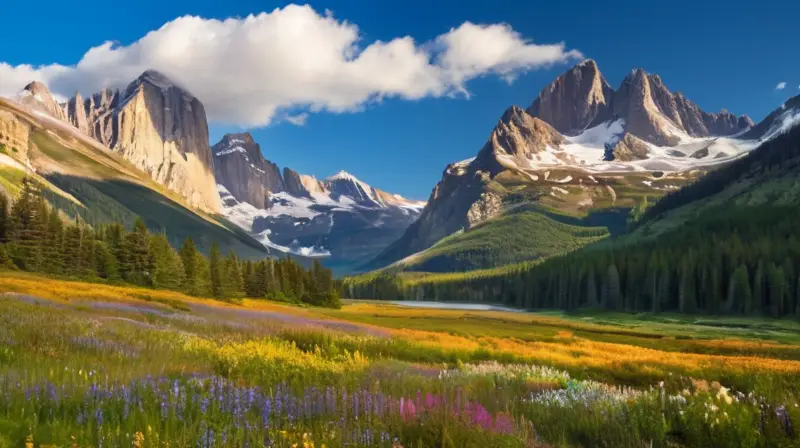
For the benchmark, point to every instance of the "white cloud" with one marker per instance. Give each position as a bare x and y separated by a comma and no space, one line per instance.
781,85
297,120
250,71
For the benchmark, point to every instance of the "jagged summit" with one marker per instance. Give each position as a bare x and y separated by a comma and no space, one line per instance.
581,98
37,97
343,175
157,78
575,99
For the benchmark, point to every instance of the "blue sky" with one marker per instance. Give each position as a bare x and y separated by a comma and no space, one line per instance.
719,54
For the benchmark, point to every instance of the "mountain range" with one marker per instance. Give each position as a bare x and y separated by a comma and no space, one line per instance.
581,148
160,129
573,163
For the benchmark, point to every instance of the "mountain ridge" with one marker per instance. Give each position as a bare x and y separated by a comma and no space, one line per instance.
579,126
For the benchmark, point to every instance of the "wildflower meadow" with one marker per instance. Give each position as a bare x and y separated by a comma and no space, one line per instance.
113,369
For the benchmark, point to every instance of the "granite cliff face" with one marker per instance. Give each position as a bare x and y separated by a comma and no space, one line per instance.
240,166
575,100
162,129
158,126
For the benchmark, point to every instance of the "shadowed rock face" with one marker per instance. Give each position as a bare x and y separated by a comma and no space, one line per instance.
240,166
294,183
575,99
159,127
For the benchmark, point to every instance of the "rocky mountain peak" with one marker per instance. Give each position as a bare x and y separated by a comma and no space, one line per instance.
240,166
343,175
158,79
37,96
575,100
520,137
77,114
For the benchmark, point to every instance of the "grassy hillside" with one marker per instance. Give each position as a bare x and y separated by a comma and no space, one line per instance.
520,235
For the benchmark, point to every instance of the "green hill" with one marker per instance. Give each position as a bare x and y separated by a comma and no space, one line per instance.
517,236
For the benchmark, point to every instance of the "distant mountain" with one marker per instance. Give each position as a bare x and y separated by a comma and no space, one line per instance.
340,218
581,147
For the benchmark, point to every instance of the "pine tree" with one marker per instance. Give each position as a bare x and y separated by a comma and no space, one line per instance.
215,271
687,292
740,296
137,261
612,288
190,258
776,287
106,264
27,228
73,248
591,290
167,268
54,247
759,286
232,281
3,218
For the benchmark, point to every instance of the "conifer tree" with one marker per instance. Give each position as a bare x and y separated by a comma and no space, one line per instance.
215,271
137,261
612,288
167,268
232,280
191,267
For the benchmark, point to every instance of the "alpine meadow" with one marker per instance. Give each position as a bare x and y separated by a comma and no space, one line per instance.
188,260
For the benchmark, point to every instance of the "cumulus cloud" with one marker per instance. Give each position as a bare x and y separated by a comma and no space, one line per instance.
294,61
781,85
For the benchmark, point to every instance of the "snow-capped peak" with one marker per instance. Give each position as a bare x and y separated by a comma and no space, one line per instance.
343,175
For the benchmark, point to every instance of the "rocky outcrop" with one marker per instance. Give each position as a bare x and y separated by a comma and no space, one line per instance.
240,166
14,135
100,110
519,137
576,99
294,183
627,149
76,113
487,206
36,97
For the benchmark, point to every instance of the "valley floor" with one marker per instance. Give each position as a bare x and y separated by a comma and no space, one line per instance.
96,365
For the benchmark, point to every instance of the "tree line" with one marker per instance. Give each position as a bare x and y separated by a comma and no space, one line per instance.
34,237
737,260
